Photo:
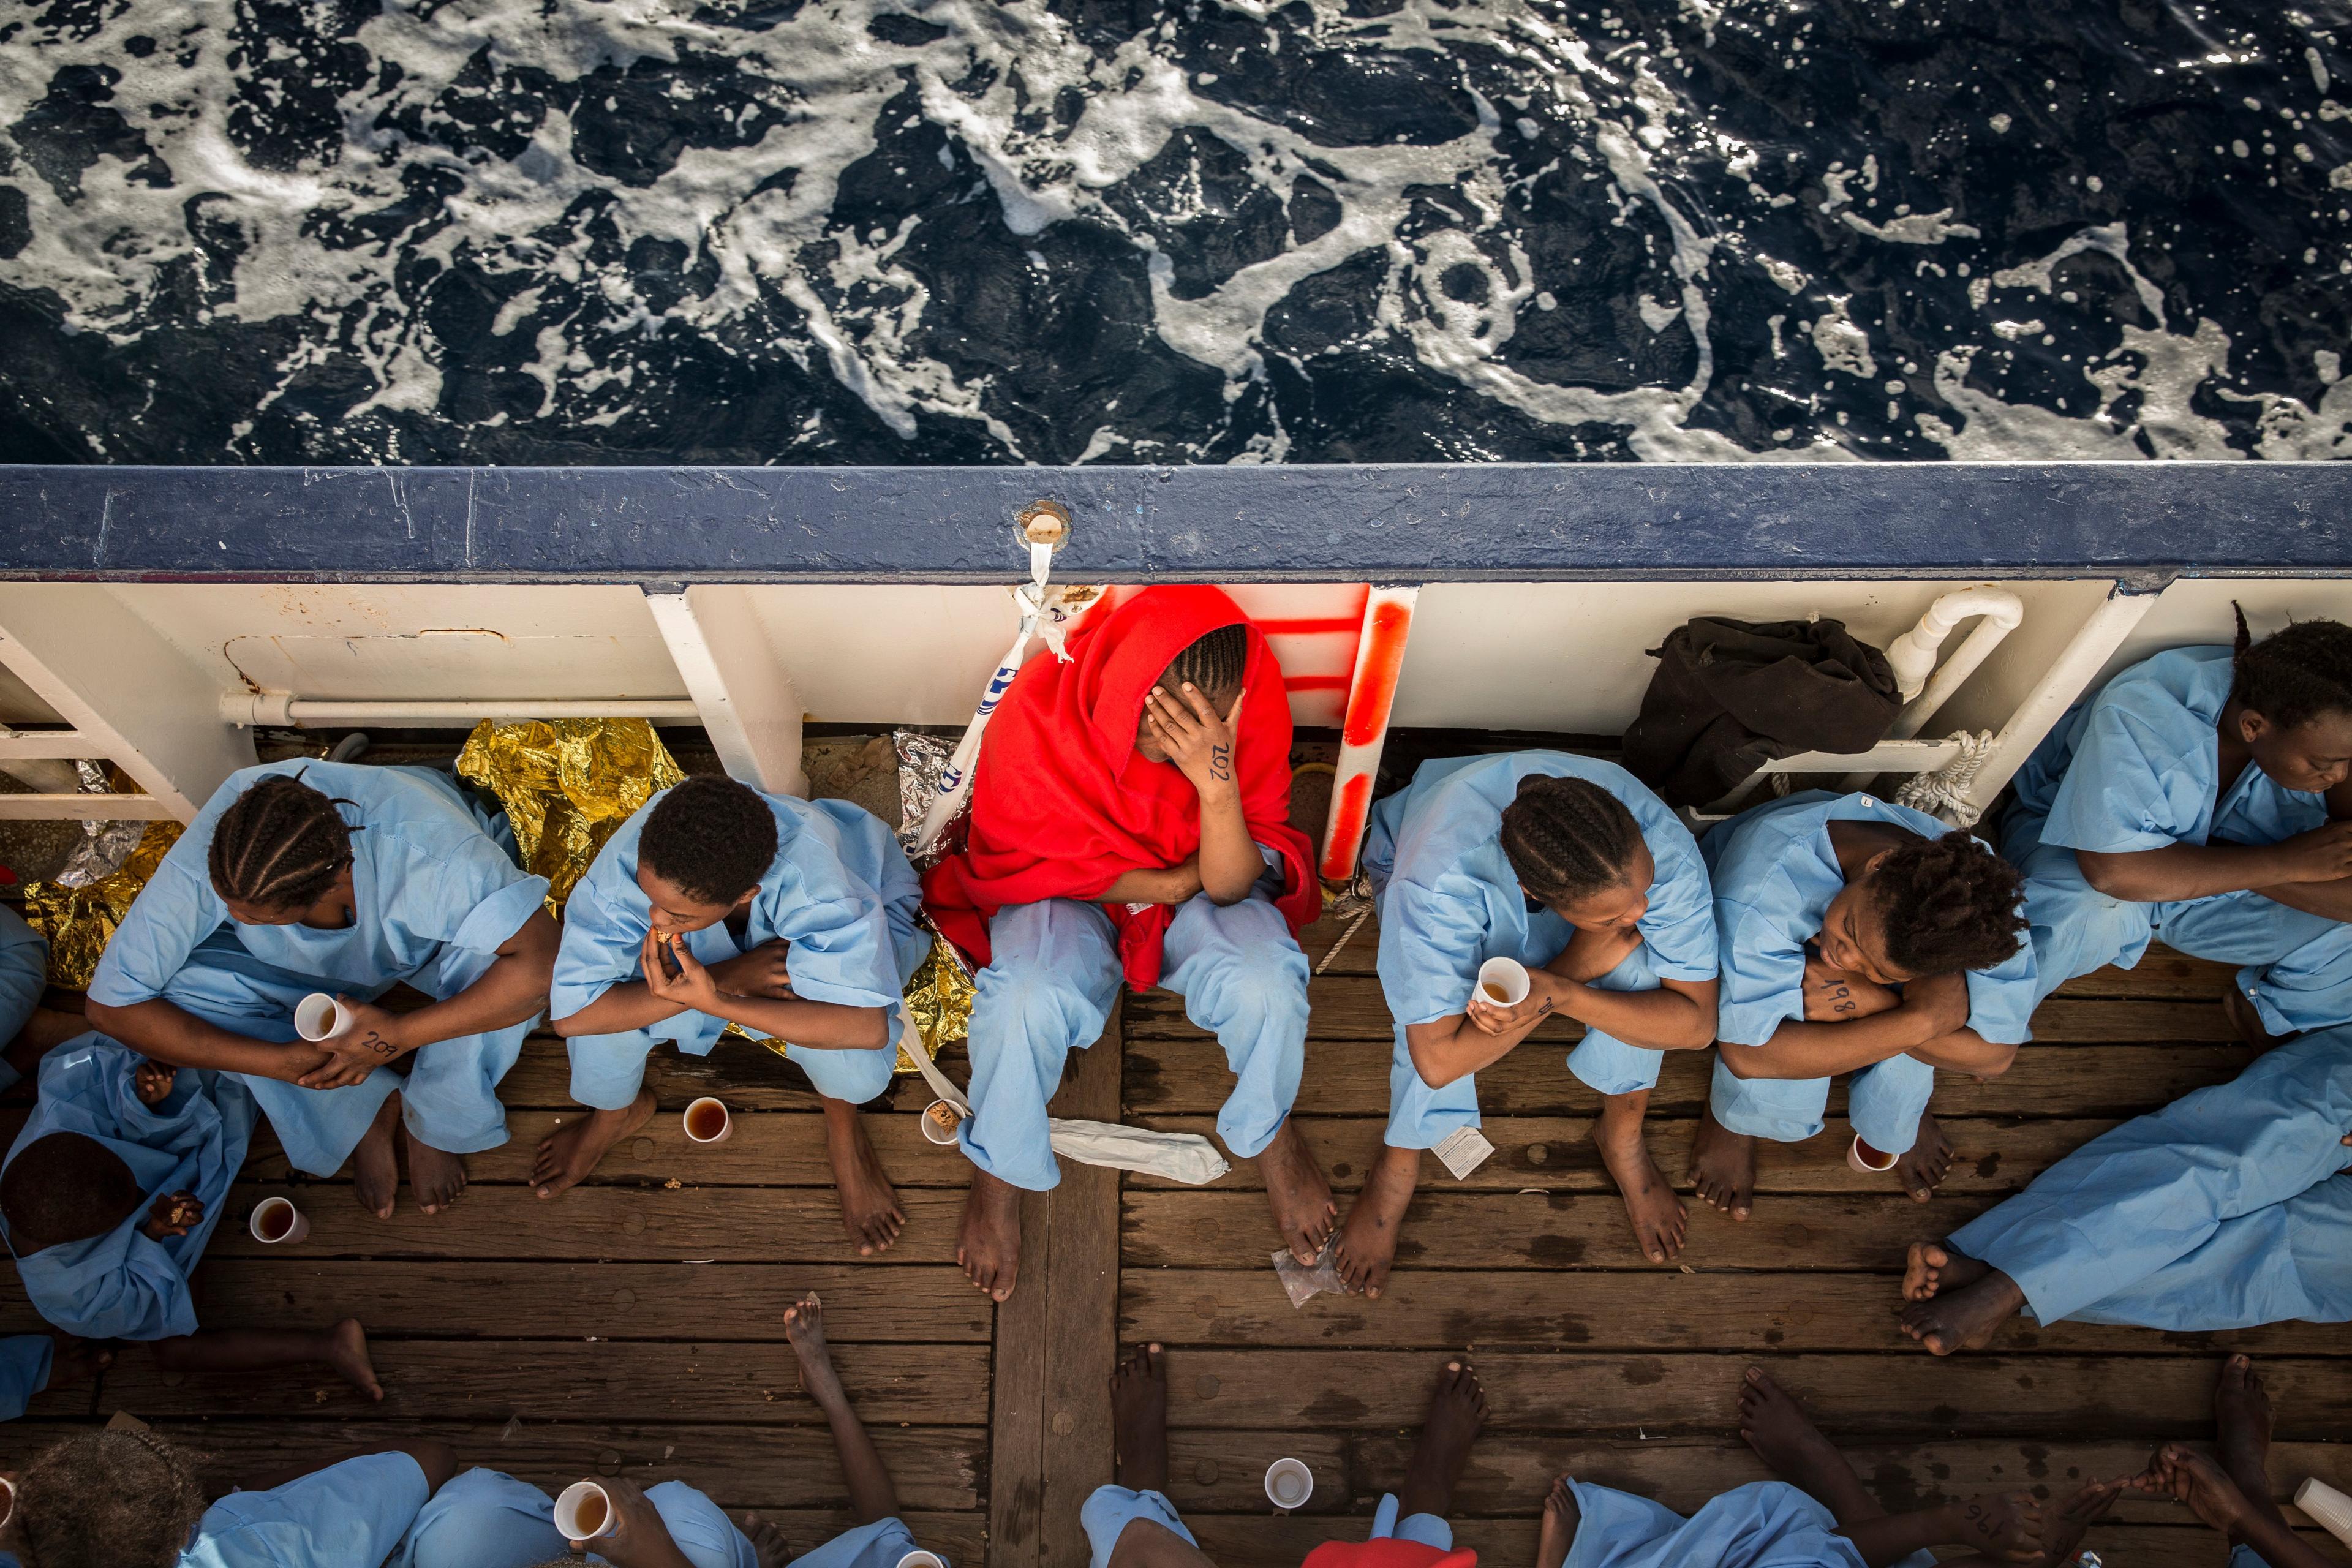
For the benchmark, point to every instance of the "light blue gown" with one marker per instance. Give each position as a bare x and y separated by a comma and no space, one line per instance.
1052,977
350,1515
435,896
1449,900
122,1285
488,1519
2138,767
839,890
1765,1524
1775,873
1110,1510
24,971
23,1371
2226,1209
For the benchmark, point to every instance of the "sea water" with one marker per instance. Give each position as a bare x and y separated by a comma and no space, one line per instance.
900,231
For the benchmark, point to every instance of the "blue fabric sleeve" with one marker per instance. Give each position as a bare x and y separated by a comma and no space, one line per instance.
1433,941
2138,779
841,950
173,912
1763,972
2000,999
602,940
1680,925
24,971
25,1362
350,1515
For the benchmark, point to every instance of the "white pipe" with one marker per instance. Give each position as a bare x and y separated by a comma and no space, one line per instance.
2058,691
1913,657
248,707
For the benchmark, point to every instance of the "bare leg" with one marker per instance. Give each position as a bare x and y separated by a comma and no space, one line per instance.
1368,1242
1785,1437
1923,1166
2242,1418
1303,1210
1659,1219
1457,1408
989,1246
1723,1167
343,1348
436,1176
1561,1519
869,1208
1947,1316
572,1152
375,1164
1138,1406
871,1494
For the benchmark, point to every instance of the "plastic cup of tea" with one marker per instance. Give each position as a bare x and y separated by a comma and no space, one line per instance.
583,1512
940,1121
1858,1155
278,1223
707,1121
918,1558
1289,1483
1504,982
318,1016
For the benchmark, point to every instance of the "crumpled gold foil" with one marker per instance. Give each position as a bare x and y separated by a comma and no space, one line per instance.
939,996
567,784
80,921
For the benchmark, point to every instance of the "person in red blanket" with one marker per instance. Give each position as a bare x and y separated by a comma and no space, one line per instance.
1132,817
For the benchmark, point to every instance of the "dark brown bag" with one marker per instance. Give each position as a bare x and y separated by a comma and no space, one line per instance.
1730,695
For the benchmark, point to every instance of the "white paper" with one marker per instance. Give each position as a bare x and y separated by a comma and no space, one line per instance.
1463,1150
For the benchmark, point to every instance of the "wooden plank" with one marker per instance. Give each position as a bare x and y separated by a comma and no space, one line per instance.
747,1076
1055,1344
1556,1153
1748,1313
436,1299
615,1224
533,1380
1349,1077
1885,1396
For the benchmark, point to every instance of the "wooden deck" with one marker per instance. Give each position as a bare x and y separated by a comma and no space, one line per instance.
635,1325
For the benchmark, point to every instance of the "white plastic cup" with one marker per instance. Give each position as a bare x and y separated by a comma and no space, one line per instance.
940,1121
1289,1482
918,1558
2328,1507
1507,976
266,1217
7,1501
1860,1162
699,1111
580,1498
318,1016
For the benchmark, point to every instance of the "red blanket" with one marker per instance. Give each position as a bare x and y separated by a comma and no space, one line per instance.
1387,1555
1063,805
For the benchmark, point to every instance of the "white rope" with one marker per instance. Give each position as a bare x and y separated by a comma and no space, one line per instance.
1359,895
1944,792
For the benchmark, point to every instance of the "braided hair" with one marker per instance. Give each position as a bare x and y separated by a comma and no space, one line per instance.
1212,663
281,845
110,1499
711,837
2294,675
1568,839
1950,904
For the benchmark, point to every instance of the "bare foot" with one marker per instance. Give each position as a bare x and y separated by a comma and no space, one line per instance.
1457,1409
1931,1269
1660,1221
375,1164
1138,1415
1303,1210
347,1353
1560,1518
572,1152
1964,1318
2242,1413
435,1175
869,1209
1368,1242
989,1246
1785,1437
1923,1167
1723,1167
73,1360
769,1548
804,1326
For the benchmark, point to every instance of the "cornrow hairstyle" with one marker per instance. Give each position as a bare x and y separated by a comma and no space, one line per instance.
281,845
1212,663
65,1187
1950,904
1568,839
712,837
110,1499
2297,674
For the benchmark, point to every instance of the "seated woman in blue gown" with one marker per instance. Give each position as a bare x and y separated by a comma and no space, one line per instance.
109,1195
303,877
1818,1516
128,1497
486,1520
2201,799
2229,1208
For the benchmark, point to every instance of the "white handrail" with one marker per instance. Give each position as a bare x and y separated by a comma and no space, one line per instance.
279,708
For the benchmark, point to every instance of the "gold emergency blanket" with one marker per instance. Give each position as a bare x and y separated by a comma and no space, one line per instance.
80,921
567,784
938,996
